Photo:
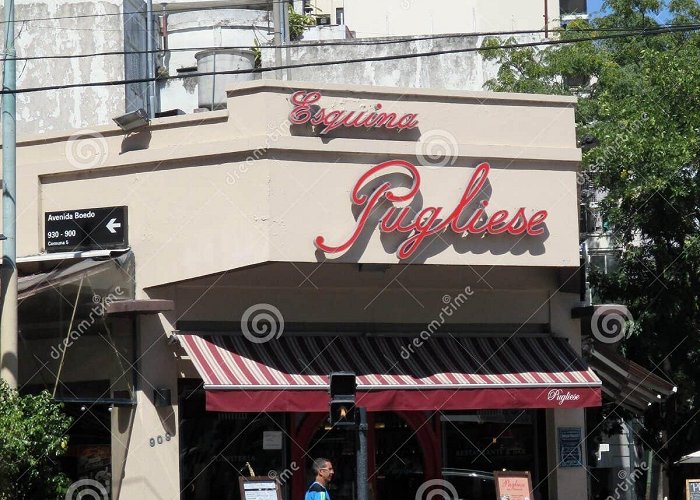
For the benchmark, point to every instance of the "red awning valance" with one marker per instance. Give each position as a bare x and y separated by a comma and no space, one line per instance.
393,373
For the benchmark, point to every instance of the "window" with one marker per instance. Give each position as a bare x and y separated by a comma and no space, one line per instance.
573,7
340,16
68,344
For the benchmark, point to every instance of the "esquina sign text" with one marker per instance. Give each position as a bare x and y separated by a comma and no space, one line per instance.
431,220
332,119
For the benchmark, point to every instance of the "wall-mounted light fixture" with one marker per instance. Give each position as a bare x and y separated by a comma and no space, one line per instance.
132,121
161,397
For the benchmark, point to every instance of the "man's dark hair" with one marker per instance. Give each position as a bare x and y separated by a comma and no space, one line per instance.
319,463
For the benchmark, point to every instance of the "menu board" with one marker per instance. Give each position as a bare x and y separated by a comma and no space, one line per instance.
259,488
513,485
692,489
570,452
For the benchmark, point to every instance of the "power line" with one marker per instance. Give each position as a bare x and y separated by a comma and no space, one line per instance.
378,41
640,31
347,61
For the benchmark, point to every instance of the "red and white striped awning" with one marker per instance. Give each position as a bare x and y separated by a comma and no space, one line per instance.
393,373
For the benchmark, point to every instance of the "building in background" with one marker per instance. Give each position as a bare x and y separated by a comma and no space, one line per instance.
106,41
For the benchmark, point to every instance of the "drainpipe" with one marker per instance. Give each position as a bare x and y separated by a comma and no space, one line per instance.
277,21
150,61
164,28
280,19
284,12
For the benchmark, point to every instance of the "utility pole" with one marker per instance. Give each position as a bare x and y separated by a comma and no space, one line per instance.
8,277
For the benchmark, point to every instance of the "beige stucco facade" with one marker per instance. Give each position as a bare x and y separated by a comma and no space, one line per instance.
224,208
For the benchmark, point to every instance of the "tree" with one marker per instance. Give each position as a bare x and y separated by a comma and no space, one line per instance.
298,23
638,121
32,438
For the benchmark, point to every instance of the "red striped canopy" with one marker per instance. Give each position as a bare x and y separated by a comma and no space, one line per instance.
290,373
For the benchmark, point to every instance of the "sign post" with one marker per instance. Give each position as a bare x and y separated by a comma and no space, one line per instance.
692,489
513,485
259,488
86,229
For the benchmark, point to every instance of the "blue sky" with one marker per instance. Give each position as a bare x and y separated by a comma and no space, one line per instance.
594,7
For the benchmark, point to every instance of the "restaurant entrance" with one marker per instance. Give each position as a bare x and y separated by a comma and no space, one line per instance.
408,449
396,458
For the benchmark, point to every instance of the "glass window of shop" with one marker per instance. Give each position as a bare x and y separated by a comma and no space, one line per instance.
69,347
475,444
89,453
216,447
67,344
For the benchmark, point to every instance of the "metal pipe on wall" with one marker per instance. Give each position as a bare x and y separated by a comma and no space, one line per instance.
277,37
150,61
280,19
9,364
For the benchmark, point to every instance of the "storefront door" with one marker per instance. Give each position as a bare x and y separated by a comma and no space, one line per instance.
396,461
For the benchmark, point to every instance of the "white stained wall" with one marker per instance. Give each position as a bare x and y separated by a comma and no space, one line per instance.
100,29
369,18
464,70
77,28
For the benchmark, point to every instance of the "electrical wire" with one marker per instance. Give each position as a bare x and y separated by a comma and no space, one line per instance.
344,61
641,31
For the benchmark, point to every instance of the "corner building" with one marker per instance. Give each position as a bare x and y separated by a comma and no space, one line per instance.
264,254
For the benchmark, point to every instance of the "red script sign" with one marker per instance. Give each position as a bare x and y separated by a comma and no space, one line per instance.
432,220
331,120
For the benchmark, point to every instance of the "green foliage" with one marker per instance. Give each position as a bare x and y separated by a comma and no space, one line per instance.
257,53
32,438
297,23
639,105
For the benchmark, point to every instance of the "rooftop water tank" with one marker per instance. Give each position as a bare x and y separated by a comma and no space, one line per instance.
212,88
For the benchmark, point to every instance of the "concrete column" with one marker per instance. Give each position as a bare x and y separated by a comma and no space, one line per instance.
151,468
571,482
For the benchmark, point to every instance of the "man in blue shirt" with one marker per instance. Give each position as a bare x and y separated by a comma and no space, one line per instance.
323,470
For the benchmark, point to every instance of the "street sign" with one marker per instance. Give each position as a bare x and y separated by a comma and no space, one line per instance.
86,229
